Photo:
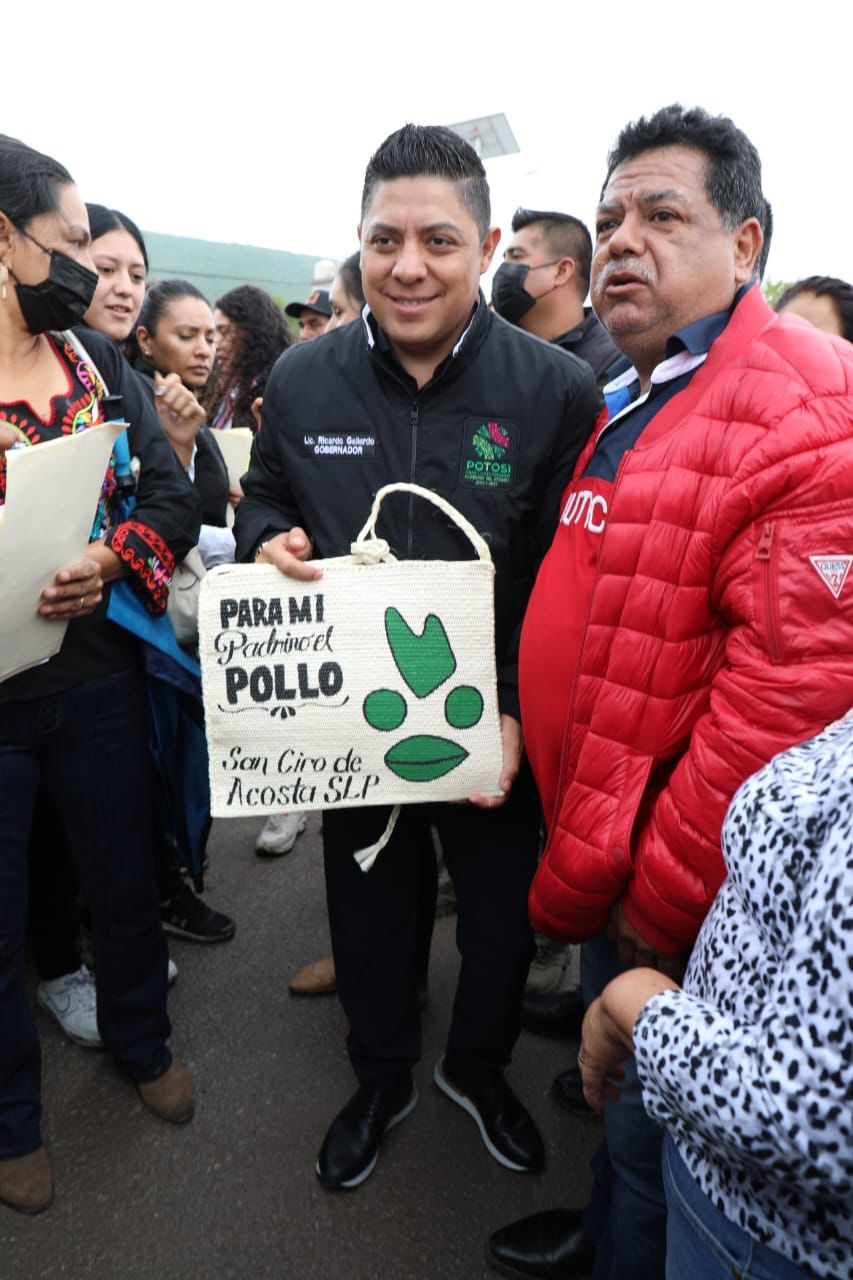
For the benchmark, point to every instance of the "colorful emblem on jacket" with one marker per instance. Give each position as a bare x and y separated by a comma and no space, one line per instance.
489,453
426,662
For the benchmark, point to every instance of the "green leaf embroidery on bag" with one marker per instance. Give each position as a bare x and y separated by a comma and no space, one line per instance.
463,706
423,758
424,661
384,709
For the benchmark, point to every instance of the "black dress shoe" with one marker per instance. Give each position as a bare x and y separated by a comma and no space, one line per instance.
553,1013
505,1126
351,1147
567,1092
546,1246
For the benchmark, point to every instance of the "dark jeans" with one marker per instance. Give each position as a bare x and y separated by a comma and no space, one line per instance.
88,747
491,857
54,917
53,921
626,1216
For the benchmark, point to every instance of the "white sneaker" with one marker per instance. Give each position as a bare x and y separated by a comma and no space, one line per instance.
72,1001
173,971
280,834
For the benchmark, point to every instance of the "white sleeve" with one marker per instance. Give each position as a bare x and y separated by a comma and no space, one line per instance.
215,545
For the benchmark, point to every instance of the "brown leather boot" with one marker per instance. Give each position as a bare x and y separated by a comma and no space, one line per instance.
316,979
26,1182
171,1096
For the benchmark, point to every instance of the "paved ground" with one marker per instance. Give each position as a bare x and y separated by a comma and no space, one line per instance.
234,1193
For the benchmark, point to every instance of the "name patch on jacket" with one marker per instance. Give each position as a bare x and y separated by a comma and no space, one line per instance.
338,444
489,452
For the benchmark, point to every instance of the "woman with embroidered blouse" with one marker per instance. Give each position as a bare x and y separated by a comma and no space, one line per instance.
749,1066
77,723
66,987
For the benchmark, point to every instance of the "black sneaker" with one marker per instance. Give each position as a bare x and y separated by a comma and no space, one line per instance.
350,1149
507,1130
187,916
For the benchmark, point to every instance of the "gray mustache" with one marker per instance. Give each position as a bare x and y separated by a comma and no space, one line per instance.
635,266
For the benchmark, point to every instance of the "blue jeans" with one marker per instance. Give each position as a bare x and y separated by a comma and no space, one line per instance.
626,1216
703,1244
88,747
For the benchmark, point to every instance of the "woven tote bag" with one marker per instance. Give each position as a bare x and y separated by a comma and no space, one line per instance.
374,684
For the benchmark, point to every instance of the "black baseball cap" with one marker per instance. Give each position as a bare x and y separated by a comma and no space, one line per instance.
317,300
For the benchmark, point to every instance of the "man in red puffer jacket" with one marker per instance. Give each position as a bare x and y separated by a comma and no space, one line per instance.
693,617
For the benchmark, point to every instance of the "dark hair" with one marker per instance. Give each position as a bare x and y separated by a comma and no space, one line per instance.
839,291
567,237
103,220
158,299
350,273
264,334
28,181
432,151
160,296
767,228
733,169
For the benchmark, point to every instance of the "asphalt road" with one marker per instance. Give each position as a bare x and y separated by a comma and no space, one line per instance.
234,1193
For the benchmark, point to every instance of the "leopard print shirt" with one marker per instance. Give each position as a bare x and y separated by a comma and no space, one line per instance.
750,1066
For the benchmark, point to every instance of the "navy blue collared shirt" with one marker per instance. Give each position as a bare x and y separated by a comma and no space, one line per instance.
629,413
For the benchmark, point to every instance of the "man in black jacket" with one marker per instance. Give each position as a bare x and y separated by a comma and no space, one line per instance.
543,281
406,394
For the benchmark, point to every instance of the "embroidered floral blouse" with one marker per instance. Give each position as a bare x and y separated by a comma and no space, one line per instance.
163,526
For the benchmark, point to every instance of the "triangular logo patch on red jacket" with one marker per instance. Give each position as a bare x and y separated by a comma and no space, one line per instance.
833,570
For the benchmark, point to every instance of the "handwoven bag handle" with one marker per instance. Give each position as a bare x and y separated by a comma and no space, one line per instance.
368,533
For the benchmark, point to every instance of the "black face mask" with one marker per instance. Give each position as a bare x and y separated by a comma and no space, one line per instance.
509,297
61,300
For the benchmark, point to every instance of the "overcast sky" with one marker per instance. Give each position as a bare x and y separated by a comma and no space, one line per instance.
253,123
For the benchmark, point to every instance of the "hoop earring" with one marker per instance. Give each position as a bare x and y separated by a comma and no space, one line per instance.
4,276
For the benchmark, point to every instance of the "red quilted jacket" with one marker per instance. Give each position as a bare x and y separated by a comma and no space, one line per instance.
720,628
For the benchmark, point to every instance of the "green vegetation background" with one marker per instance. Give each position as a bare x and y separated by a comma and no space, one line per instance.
215,268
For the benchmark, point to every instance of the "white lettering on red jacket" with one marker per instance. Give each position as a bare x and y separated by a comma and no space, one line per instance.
586,507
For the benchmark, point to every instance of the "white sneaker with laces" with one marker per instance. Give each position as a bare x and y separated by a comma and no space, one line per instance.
72,1000
280,834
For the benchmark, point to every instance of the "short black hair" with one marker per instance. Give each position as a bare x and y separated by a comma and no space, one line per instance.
767,228
832,287
29,181
733,169
566,236
350,274
103,220
430,150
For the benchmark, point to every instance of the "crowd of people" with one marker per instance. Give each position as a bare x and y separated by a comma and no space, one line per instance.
672,537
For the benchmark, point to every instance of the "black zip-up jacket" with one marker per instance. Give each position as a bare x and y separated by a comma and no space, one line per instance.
496,431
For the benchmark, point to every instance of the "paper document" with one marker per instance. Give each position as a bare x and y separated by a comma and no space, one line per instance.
235,446
52,493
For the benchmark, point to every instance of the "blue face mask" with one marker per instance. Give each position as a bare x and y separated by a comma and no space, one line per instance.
62,299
